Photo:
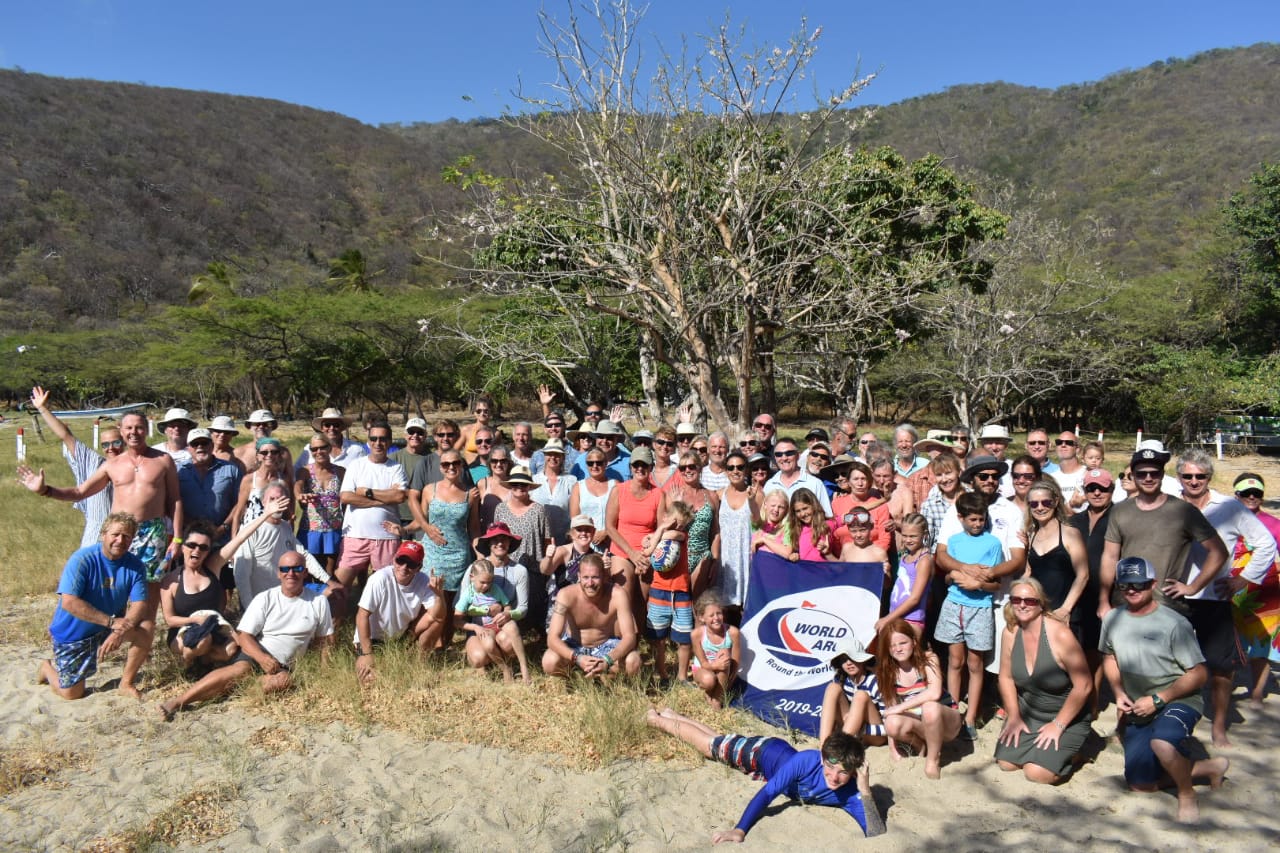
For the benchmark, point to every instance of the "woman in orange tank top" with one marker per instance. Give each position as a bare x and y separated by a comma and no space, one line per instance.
632,513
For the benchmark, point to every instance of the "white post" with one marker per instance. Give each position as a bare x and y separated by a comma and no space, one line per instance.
97,423
1217,439
1077,430
1099,436
151,427
1139,444
21,450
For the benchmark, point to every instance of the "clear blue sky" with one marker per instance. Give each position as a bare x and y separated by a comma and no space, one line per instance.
406,61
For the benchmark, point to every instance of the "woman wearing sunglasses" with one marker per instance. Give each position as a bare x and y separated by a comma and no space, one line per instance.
664,467
195,601
1257,606
1044,686
704,531
271,467
591,496
739,514
1056,555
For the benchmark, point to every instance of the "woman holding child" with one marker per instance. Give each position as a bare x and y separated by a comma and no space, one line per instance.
704,537
1044,688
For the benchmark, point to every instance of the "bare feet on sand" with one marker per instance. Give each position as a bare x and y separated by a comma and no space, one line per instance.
1188,808
166,712
933,769
42,672
130,690
1215,769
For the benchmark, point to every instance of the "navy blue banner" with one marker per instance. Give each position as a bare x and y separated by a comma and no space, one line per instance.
796,616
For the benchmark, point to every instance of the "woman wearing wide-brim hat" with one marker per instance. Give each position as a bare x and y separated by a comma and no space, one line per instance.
528,521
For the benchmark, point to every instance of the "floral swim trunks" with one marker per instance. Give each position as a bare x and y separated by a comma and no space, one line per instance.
149,545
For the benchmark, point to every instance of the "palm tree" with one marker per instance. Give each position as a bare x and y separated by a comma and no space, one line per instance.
216,280
349,272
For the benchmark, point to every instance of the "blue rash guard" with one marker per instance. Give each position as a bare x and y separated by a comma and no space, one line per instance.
799,776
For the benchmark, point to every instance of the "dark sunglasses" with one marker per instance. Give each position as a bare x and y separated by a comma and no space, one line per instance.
201,443
785,454
1037,443
446,435
1135,587
703,449
319,448
405,561
196,546
379,439
864,441
268,452
688,467
735,467
1147,475
480,441
1196,477
1092,489
292,570
1049,504
1250,493
1017,600
821,457
333,425
761,425
596,463
597,414
1022,475
1064,442
417,432
986,475
453,464
114,444
748,442
663,442
640,465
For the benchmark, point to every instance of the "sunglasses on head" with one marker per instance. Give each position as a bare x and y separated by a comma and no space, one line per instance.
1017,600
1135,587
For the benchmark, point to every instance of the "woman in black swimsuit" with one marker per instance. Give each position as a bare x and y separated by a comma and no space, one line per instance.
1056,554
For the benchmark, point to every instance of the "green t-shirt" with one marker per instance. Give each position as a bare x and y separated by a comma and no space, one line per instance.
1153,651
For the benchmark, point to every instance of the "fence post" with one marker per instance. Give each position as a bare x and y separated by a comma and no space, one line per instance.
1139,444
1217,439
21,450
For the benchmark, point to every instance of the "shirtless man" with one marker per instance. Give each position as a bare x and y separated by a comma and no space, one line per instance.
597,617
261,423
144,484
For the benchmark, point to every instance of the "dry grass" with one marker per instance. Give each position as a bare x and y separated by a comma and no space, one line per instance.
275,741
200,815
23,767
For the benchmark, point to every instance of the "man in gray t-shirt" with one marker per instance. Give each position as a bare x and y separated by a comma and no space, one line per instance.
1160,529
1156,670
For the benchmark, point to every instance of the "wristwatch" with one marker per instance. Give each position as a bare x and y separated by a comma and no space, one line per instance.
1157,701
368,493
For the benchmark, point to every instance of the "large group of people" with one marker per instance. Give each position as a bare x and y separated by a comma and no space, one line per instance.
1051,577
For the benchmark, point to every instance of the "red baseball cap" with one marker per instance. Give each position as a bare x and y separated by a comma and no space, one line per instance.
412,550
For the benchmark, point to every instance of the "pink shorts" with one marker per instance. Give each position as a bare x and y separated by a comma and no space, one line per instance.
370,554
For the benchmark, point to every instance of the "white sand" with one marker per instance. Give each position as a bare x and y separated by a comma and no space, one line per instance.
353,789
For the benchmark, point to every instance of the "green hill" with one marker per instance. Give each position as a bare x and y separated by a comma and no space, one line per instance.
112,196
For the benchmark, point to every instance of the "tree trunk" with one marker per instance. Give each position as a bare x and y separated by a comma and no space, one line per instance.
649,377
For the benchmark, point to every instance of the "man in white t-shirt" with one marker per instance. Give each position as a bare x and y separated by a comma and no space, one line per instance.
397,600
176,425
277,627
372,490
1070,473
791,479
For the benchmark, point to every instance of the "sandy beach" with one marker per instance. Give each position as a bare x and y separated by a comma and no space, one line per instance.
290,787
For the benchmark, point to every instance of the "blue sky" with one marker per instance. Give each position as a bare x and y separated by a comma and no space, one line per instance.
428,61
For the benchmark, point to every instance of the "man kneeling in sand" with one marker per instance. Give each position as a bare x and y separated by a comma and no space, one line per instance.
91,620
277,627
591,626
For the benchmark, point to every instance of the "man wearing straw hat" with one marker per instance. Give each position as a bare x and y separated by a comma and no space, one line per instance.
175,426
261,423
333,425
222,430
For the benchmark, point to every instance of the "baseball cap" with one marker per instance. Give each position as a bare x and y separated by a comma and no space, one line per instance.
1099,476
1134,570
412,550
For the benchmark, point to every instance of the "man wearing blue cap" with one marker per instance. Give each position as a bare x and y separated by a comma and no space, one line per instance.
1156,670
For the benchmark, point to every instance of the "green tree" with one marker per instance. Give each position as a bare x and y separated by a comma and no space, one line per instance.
1249,268
349,272
710,220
